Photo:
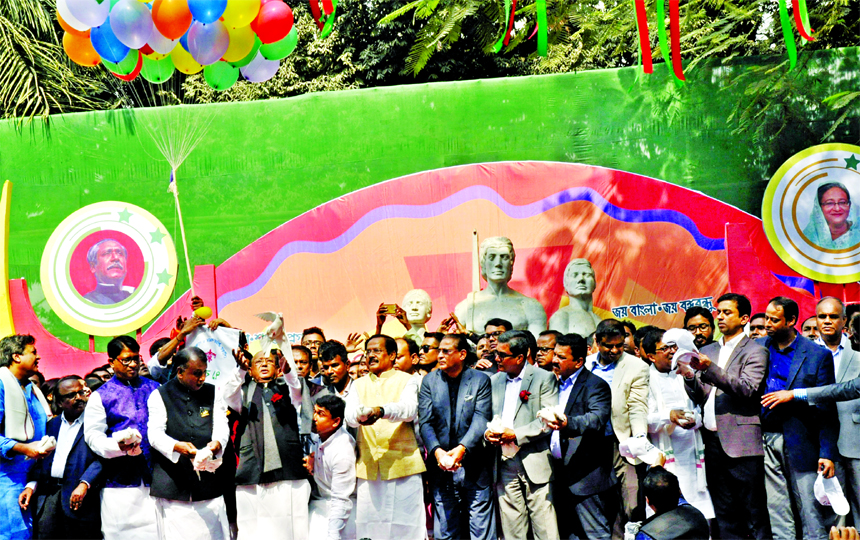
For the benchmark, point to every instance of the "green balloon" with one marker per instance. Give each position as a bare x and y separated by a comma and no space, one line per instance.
221,75
251,55
157,71
281,49
126,65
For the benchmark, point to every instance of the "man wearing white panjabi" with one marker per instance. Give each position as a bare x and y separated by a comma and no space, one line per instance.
384,406
674,421
272,488
115,426
188,428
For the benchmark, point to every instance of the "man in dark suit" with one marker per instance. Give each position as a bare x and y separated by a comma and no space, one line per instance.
799,439
66,482
585,480
728,385
454,406
520,390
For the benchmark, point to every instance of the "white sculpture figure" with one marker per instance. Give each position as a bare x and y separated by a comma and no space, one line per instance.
577,317
418,308
498,300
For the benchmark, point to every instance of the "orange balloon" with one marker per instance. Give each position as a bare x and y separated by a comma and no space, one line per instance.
80,50
171,17
69,29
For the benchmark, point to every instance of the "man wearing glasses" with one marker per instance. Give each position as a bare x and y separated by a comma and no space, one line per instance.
67,483
115,422
728,385
428,353
313,338
699,321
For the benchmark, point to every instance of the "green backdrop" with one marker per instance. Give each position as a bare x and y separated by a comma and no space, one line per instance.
262,163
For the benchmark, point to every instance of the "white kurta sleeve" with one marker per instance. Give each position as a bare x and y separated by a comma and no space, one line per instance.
156,428
292,380
406,409
220,426
231,391
342,488
95,429
351,412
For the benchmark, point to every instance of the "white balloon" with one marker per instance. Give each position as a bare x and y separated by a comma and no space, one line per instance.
63,10
89,12
260,69
159,43
131,23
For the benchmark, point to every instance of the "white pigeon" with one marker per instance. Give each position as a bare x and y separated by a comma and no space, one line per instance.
274,333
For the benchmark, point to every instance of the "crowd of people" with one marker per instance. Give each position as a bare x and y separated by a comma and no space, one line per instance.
449,435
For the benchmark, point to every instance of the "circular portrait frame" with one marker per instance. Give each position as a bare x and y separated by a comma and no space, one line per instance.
97,235
817,237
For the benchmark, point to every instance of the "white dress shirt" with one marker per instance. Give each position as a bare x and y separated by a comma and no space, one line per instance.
512,395
844,343
726,350
564,394
157,426
231,392
65,441
334,473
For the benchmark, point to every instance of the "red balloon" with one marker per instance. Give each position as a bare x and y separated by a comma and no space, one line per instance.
274,21
146,49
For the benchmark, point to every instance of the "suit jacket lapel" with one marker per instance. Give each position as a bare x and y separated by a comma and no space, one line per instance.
527,375
465,381
844,362
796,361
578,385
498,384
735,352
445,396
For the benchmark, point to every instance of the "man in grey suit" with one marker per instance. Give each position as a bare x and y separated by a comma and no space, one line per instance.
585,480
454,406
830,316
520,390
728,385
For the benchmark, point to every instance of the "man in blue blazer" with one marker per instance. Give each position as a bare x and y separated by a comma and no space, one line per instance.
582,452
799,440
454,406
66,483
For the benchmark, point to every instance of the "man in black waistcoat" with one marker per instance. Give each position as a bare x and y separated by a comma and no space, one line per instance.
188,428
272,488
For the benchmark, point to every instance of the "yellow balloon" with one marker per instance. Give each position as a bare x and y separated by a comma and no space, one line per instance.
241,43
204,313
156,56
240,13
184,62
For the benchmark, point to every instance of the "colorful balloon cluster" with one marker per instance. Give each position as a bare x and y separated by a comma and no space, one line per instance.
223,38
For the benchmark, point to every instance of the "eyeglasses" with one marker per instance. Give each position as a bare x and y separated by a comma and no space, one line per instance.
704,327
128,360
312,343
428,348
71,395
497,333
667,348
545,349
832,204
447,352
501,354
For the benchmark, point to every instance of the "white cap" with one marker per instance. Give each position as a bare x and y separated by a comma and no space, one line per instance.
829,493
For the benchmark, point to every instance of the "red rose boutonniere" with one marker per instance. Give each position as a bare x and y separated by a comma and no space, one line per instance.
276,397
524,396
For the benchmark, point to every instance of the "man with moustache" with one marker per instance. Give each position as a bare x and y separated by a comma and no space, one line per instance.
545,347
23,413
454,406
699,321
108,260
119,406
334,368
384,406
65,489
429,352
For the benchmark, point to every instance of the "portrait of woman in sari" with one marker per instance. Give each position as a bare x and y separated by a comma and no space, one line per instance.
834,222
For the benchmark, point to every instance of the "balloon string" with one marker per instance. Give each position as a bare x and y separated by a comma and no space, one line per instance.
787,35
498,46
511,23
644,42
662,37
804,16
675,29
543,27
798,19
